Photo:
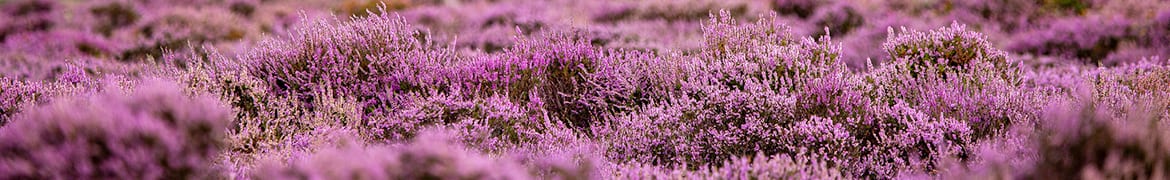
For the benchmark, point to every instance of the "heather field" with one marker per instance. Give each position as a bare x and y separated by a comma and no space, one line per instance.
584,89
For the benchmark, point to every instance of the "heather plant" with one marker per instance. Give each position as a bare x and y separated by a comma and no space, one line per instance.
156,132
394,75
1090,140
428,156
955,73
683,134
492,122
560,72
287,129
760,93
375,59
954,45
1097,124
725,35
590,89
562,153
18,94
15,95
259,115
1119,86
810,105
902,139
857,46
552,72
765,53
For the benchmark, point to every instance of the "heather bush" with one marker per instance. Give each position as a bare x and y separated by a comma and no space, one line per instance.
1099,123
428,156
554,71
716,100
494,122
375,59
15,95
1090,140
584,89
156,132
259,116
682,134
955,73
954,45
802,101
396,78
1141,83
761,92
900,140
1113,128
562,153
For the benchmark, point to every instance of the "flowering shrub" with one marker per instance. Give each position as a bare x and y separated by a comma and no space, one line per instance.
1111,128
554,70
565,89
18,95
1089,141
429,156
15,95
764,93
373,58
1099,128
931,69
155,133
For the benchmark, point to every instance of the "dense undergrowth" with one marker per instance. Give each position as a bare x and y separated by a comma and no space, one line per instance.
385,91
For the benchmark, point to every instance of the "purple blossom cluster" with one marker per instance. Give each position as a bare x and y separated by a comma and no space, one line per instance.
511,89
